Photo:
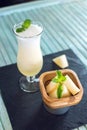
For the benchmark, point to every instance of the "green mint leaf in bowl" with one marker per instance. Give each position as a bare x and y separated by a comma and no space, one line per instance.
59,78
26,24
59,91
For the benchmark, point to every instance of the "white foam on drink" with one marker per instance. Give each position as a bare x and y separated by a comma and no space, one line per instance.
33,30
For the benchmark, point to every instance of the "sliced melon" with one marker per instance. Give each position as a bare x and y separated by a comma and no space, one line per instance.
51,86
61,61
65,92
54,93
71,85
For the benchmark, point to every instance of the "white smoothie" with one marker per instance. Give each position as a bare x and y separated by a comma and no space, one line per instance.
29,58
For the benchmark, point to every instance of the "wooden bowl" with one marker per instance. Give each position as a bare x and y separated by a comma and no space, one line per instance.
55,103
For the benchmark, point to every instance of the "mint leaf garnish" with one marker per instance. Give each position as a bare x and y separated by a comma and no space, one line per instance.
26,23
20,30
59,78
59,91
24,26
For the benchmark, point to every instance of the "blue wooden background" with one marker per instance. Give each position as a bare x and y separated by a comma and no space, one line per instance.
65,26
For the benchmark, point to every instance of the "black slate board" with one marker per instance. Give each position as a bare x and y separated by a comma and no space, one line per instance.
26,111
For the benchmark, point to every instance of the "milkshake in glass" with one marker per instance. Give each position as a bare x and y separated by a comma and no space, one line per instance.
29,57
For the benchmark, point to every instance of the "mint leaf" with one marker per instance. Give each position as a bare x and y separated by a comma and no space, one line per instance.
24,26
59,74
26,23
59,78
19,30
59,91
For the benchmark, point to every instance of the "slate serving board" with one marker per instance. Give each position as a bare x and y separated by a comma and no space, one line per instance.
26,110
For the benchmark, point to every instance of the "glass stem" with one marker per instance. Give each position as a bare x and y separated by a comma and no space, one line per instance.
30,79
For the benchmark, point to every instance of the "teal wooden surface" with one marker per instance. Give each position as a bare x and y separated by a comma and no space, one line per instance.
4,118
65,26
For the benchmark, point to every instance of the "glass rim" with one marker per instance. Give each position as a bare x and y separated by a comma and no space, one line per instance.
18,25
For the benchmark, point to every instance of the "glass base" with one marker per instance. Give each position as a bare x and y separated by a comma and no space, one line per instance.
28,85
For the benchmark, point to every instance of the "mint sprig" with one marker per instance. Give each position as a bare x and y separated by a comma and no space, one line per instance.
18,30
24,26
59,78
59,91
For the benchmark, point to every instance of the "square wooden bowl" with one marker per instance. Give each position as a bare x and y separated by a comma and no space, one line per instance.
54,104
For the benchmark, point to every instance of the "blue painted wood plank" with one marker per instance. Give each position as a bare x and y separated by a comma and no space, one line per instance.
64,27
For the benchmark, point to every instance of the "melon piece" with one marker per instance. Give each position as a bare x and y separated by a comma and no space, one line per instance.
61,61
51,86
71,85
53,93
65,92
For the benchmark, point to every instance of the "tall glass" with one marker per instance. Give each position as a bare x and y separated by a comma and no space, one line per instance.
29,57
